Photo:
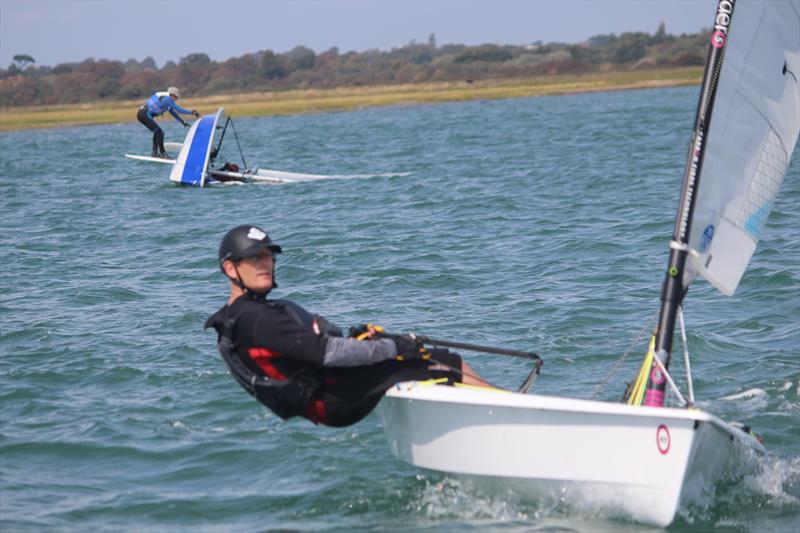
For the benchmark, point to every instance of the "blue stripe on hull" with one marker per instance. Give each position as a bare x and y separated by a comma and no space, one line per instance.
195,166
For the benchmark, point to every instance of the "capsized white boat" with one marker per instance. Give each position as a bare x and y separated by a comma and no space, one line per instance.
640,459
196,161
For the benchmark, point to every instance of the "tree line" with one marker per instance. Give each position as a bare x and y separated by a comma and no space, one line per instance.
24,83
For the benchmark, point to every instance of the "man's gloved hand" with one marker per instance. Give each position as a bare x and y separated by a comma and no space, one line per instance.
410,348
365,331
195,113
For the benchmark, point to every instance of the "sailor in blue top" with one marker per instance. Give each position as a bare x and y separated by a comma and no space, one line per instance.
157,105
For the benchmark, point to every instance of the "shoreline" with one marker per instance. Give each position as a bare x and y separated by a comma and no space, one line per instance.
300,101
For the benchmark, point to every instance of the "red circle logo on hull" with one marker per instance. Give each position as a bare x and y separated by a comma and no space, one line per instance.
663,440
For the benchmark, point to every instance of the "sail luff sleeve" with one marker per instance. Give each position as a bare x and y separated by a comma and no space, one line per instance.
673,289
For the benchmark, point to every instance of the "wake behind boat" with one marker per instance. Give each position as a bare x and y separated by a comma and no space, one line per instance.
639,458
194,162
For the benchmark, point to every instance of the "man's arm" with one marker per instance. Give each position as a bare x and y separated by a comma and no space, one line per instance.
174,106
177,116
280,333
341,351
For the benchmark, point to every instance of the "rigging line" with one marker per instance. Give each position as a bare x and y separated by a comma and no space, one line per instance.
672,385
237,144
689,385
222,135
615,368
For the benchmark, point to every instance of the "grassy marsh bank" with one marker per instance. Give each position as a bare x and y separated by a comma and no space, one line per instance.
348,98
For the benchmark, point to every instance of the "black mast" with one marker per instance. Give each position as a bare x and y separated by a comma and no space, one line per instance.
673,291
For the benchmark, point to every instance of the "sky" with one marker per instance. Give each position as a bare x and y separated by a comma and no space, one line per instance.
66,31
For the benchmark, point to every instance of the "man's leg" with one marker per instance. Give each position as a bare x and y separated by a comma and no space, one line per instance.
158,142
470,377
150,124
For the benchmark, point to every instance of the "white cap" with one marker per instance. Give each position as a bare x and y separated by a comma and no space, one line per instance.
175,91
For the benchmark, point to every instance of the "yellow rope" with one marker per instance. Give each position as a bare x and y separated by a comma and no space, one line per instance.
639,386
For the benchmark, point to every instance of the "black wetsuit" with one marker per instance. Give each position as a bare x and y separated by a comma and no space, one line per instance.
152,125
336,381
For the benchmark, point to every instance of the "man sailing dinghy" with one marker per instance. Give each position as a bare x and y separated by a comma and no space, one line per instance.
639,458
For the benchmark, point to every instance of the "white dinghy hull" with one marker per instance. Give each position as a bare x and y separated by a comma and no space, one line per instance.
640,462
264,175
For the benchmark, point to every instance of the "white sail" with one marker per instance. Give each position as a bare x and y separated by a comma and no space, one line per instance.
753,131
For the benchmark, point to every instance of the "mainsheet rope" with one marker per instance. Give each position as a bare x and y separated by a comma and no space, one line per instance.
647,327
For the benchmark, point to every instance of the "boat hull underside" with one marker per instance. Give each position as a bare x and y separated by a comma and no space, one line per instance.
637,461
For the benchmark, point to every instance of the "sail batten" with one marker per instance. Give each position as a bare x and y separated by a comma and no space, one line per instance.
750,141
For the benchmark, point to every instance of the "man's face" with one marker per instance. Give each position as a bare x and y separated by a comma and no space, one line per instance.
255,272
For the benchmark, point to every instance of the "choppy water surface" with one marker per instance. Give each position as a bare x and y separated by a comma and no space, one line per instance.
535,224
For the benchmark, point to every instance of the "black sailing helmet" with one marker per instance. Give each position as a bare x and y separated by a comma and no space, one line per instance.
243,242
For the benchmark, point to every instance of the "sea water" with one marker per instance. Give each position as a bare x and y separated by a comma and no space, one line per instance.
538,224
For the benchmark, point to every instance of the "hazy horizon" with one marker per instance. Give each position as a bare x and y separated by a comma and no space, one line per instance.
54,31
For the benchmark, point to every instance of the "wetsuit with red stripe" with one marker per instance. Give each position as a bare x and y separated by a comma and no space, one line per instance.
342,379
